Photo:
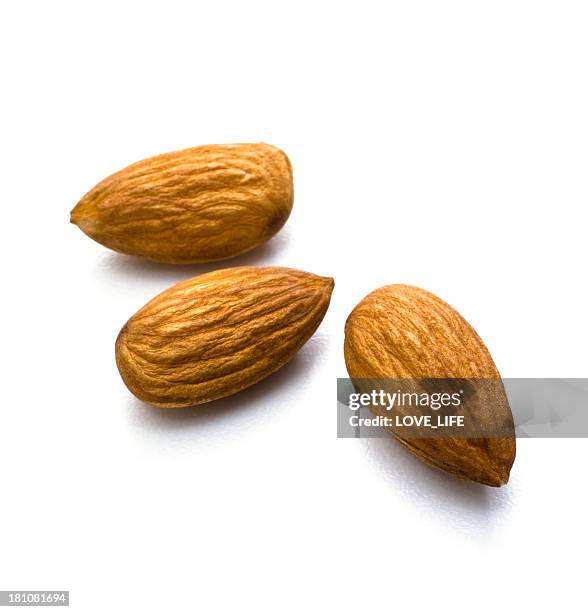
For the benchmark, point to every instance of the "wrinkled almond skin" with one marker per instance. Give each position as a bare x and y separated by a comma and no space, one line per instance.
213,335
401,332
197,205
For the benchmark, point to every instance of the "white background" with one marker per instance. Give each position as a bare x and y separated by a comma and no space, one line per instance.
441,144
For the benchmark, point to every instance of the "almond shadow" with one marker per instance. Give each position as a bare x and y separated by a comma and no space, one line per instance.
476,504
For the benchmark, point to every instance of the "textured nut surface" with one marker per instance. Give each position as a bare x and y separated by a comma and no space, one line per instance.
200,204
399,332
213,335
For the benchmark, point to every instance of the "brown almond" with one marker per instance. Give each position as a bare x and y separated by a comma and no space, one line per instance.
403,332
213,335
201,204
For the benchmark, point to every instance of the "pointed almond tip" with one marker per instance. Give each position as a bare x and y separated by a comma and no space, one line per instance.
501,459
74,215
497,480
82,218
503,477
496,476
329,283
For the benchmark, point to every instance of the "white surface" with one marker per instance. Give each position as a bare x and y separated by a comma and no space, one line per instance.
441,144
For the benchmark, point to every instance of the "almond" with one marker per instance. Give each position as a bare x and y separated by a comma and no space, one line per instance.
197,205
213,335
403,332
